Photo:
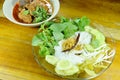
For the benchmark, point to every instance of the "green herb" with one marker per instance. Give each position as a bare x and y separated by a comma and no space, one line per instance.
70,29
45,40
44,51
63,19
36,41
63,30
26,12
57,29
40,14
81,23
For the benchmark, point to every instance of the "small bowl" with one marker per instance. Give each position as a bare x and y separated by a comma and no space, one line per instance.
82,76
8,12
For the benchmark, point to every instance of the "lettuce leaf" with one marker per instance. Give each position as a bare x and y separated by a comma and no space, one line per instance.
63,30
82,22
69,30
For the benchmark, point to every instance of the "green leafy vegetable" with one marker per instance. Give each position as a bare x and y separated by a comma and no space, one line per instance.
70,29
40,14
63,30
81,23
36,40
63,19
45,40
44,51
58,36
57,27
26,12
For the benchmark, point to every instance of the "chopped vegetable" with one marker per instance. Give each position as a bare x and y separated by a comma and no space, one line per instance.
51,59
26,12
45,40
40,14
70,29
81,23
64,67
98,37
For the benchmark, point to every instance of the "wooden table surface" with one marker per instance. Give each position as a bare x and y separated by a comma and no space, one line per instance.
16,58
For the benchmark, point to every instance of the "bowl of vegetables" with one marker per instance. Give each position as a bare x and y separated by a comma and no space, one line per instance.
73,48
30,12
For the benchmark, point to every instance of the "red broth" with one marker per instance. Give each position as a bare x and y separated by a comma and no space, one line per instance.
15,13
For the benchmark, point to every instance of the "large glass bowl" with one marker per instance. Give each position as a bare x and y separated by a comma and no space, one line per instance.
82,76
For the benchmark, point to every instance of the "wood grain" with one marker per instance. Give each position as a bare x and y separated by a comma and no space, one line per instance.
16,59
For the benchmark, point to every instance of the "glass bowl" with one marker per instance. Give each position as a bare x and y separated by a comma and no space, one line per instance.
81,76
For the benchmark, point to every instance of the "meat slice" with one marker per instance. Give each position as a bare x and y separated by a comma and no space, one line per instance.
35,3
31,7
26,18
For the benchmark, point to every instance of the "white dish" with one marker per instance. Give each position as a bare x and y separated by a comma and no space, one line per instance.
8,12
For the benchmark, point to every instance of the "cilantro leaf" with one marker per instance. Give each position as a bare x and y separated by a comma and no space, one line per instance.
63,19
58,36
40,14
43,51
57,27
36,40
61,30
70,29
82,22
26,12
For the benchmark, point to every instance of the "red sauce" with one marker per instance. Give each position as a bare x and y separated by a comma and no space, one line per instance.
16,12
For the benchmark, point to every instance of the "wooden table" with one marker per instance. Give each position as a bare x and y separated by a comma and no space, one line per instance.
16,58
